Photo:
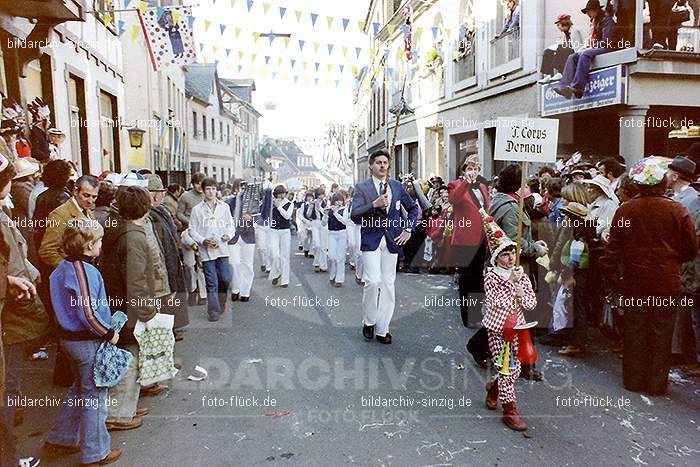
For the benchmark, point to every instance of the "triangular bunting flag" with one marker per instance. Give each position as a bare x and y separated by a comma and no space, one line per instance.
286,42
267,59
238,32
317,65
266,8
121,27
298,14
329,20
342,67
176,16
240,68
292,61
330,67
279,61
207,25
375,27
345,24
143,6
361,26
391,28
358,51
301,45
314,17
250,5
316,46
435,32
233,3
256,36
240,55
330,49
222,27
283,10
271,38
345,52
134,32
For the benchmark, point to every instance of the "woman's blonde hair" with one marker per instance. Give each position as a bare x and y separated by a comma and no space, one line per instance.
575,193
78,233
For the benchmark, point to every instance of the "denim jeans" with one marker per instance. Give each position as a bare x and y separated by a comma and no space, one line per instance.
577,67
81,420
217,274
13,366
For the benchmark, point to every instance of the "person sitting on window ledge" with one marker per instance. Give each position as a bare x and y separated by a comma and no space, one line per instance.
512,22
578,65
554,57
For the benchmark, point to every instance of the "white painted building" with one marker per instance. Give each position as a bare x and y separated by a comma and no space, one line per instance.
72,59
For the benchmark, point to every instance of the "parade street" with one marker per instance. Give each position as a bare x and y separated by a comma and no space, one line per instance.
293,382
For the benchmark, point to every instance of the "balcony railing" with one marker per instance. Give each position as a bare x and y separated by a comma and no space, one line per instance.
505,49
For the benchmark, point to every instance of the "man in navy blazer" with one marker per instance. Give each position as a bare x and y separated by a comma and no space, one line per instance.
376,208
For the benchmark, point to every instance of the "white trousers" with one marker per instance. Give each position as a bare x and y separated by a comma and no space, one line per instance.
320,256
337,243
378,295
354,244
261,242
280,243
241,257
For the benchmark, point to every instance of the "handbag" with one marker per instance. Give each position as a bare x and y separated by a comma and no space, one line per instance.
562,317
111,362
156,349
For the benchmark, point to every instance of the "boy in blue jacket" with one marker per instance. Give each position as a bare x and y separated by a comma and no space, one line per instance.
83,316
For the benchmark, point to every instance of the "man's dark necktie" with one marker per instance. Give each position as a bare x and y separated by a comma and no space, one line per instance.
382,190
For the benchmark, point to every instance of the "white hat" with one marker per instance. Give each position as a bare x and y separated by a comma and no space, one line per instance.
25,166
604,184
134,179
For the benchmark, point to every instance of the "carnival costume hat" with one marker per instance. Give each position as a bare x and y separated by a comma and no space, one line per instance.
25,166
649,170
497,238
604,184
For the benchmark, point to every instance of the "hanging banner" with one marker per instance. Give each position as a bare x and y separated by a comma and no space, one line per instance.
170,42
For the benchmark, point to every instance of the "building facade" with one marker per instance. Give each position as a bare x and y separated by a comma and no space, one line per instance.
69,54
238,100
464,77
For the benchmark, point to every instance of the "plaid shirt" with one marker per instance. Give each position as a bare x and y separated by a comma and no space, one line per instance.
501,300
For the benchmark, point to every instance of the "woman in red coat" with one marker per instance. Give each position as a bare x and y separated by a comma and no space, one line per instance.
467,195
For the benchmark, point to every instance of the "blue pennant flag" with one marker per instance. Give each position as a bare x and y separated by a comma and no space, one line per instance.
301,44
122,27
228,52
250,5
190,21
337,82
435,32
271,38
358,51
342,67
240,68
316,81
160,11
296,78
274,74
330,49
127,3
293,62
267,59
314,17
223,28
375,26
283,10
345,23
317,65
201,46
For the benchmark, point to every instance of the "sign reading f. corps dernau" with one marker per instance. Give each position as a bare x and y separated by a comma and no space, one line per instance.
526,139
605,87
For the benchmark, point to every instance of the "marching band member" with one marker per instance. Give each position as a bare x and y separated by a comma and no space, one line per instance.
338,218
299,198
377,208
242,245
320,256
308,214
263,229
280,236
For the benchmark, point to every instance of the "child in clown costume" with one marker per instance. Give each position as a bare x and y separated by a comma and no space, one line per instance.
508,293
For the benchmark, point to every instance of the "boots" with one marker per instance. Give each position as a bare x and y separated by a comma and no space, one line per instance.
511,417
492,395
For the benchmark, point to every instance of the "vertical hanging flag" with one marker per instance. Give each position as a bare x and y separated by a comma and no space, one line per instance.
207,24
169,42
267,59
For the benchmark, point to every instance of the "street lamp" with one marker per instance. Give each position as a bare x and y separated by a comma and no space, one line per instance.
135,137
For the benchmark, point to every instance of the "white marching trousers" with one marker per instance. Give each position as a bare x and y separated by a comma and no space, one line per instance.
354,244
261,242
241,257
337,243
378,294
301,231
320,256
280,243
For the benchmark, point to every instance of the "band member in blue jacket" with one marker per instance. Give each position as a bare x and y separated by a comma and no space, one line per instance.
376,207
242,245
280,236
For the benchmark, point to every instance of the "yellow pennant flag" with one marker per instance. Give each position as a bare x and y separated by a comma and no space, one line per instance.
354,69
143,6
391,28
256,36
107,19
330,67
448,33
176,16
286,42
298,14
361,26
233,3
330,19
134,33
418,33
305,64
279,61
240,55
316,46
207,25
253,57
266,7
214,49
345,52
238,32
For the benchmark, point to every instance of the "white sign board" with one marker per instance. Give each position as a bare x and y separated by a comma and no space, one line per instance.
526,139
